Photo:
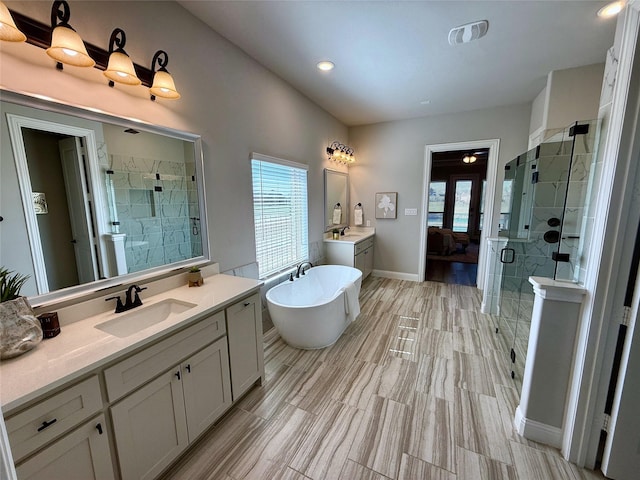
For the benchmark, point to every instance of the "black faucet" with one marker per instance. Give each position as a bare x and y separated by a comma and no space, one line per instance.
301,268
133,302
129,302
343,230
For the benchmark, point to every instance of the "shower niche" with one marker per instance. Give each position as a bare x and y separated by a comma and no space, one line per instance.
542,225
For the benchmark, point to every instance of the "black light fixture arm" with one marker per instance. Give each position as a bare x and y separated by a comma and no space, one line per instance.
118,39
162,59
60,11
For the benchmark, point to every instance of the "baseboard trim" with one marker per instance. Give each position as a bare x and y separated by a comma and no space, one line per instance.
536,431
412,277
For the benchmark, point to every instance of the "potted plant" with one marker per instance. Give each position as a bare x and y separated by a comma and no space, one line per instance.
20,330
194,277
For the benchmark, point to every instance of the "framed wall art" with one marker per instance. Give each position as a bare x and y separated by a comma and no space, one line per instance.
386,203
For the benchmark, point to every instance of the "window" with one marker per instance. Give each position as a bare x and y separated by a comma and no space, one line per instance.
462,205
437,191
280,213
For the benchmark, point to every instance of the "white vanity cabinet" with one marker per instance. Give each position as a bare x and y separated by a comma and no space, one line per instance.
156,422
244,327
133,413
358,254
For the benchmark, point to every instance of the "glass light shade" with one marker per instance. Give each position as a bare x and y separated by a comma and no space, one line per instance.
8,30
163,86
67,47
120,69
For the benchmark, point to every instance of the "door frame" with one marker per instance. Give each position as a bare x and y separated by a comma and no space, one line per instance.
16,123
490,202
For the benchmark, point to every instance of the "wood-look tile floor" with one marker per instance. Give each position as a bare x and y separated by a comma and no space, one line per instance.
416,388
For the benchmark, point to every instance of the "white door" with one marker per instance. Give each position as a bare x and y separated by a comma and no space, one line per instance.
79,215
621,458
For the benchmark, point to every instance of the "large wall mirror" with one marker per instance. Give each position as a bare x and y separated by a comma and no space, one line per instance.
336,199
89,201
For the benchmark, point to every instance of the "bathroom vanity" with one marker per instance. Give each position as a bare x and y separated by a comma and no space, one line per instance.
354,249
122,397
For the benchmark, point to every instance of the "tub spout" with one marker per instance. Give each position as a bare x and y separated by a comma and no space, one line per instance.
300,269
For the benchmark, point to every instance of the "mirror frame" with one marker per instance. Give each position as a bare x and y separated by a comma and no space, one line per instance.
70,293
328,207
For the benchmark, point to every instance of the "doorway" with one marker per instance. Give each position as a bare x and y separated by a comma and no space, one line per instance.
458,191
458,179
59,200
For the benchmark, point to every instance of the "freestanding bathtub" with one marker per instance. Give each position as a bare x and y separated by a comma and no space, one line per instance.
312,311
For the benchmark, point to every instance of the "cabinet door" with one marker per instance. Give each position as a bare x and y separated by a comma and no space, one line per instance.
150,428
246,356
360,262
368,262
207,387
82,454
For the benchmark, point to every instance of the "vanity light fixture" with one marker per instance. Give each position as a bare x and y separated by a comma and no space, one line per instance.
66,45
341,153
8,30
120,68
163,84
469,158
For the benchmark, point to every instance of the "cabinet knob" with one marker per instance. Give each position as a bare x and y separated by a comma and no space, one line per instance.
188,367
99,428
177,374
46,424
246,304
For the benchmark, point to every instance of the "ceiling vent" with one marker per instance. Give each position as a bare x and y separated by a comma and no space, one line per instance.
468,33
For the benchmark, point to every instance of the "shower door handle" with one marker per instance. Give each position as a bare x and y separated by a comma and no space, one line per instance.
503,255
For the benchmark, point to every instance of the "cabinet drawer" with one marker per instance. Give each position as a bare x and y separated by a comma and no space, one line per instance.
132,372
41,423
363,245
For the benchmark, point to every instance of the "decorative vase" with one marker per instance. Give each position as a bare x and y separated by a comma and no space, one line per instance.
20,330
195,279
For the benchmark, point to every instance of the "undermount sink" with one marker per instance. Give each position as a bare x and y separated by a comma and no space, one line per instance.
136,320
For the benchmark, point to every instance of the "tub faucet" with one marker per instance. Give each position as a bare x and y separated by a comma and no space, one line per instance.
301,268
344,229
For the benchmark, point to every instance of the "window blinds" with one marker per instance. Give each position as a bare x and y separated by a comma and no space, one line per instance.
280,214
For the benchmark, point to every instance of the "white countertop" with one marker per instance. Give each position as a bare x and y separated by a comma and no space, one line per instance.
81,348
352,236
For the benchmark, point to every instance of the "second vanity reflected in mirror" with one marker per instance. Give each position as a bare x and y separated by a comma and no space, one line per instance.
89,201
336,199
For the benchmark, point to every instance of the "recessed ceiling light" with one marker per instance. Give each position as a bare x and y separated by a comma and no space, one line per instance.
325,65
425,102
611,9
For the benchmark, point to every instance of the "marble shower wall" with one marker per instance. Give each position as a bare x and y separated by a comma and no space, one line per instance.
154,204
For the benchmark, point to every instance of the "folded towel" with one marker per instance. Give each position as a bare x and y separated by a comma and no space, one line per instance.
351,302
357,216
337,215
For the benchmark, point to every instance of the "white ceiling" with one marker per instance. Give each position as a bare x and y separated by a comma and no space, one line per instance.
392,55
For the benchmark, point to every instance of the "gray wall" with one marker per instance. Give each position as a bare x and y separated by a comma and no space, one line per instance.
236,105
391,156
